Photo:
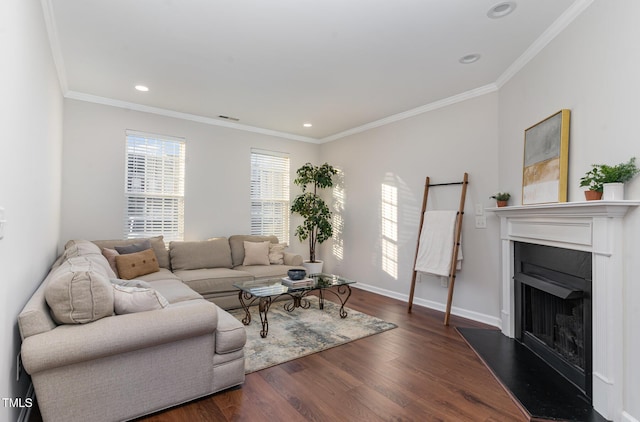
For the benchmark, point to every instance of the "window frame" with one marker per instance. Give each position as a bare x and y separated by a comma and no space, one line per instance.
270,200
154,200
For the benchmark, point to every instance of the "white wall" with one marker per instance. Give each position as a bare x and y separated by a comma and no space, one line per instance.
442,144
217,171
30,153
591,68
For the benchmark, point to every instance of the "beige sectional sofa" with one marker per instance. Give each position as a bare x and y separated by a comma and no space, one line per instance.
101,348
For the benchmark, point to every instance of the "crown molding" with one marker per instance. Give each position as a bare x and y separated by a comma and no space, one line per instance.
486,89
543,40
73,95
538,45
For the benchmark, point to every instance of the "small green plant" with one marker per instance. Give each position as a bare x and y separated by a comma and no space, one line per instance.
316,227
593,179
620,173
603,173
501,196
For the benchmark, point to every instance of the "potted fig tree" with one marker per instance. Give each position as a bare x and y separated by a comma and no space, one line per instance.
316,227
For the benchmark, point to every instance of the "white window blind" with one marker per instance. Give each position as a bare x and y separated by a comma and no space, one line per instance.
154,186
270,194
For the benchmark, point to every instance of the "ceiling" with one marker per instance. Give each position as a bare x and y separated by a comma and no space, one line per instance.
276,64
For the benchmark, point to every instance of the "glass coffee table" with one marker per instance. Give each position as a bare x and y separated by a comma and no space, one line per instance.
265,292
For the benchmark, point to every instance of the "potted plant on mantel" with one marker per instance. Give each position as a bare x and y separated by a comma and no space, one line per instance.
607,182
316,227
502,198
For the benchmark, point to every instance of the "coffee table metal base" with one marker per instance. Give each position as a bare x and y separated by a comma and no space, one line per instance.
298,300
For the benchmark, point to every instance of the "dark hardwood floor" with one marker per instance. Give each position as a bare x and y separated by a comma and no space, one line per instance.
420,371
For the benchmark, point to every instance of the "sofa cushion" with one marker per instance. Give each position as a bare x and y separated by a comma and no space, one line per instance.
136,264
236,242
85,248
212,253
162,274
157,244
276,253
79,248
256,253
129,300
266,271
135,247
230,333
292,259
174,290
79,292
211,280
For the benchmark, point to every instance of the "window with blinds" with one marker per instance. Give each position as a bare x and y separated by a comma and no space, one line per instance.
270,194
154,186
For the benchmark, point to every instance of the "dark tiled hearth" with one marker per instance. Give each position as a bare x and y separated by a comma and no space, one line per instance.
544,393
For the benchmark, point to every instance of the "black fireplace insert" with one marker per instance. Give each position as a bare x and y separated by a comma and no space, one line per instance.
553,308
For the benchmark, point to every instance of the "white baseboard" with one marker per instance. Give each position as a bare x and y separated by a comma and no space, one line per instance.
464,313
628,418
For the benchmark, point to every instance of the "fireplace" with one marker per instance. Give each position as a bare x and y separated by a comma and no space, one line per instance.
552,294
596,228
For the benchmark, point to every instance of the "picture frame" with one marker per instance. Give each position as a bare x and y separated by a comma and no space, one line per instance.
546,160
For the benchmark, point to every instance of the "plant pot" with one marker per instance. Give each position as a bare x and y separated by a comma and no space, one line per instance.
613,191
313,267
592,195
501,203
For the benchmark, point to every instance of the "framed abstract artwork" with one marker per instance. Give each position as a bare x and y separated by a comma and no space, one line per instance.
546,160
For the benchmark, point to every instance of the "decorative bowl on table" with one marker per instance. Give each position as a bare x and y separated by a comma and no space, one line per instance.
295,274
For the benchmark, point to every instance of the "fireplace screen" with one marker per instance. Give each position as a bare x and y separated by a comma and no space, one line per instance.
558,323
553,308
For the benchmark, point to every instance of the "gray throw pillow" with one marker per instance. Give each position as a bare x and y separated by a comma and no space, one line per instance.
136,247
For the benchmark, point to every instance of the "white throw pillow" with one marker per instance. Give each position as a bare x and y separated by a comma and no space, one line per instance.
276,253
130,283
256,253
128,300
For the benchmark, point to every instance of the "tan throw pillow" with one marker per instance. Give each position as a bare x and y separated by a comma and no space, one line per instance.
128,300
276,253
256,253
111,254
133,265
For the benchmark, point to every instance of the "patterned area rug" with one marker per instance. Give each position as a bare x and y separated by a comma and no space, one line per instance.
303,332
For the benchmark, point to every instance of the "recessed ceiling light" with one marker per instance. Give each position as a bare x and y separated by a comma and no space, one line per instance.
469,58
307,125
501,10
142,88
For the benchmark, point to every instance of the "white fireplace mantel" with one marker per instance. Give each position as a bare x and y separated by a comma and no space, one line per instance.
591,226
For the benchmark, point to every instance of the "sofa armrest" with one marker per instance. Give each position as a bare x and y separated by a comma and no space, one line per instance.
292,259
69,344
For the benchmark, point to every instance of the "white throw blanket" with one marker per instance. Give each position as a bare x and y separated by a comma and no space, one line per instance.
435,249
